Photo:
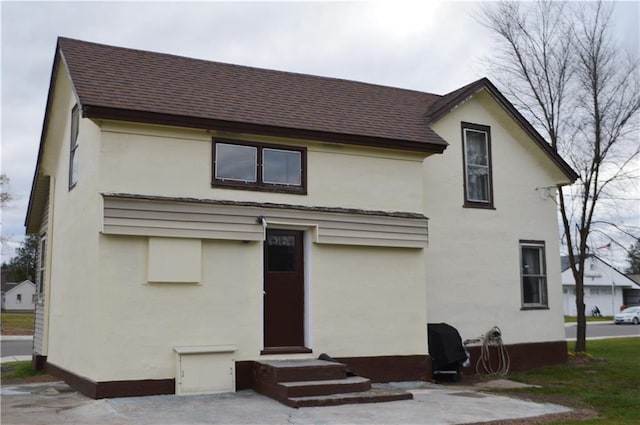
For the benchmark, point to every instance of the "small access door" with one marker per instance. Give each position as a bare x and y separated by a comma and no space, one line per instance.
284,292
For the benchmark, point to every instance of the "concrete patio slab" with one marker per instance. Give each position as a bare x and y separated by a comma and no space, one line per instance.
49,403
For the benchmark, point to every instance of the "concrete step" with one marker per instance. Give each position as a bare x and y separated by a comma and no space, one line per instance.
277,371
351,384
370,396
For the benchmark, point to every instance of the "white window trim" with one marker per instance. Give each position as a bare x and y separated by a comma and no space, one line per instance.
544,304
468,200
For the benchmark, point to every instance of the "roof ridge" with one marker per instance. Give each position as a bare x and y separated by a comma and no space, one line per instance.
252,67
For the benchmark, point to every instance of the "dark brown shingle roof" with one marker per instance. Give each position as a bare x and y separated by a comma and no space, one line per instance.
111,80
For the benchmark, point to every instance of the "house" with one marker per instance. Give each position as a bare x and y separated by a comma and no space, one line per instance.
201,220
18,296
604,287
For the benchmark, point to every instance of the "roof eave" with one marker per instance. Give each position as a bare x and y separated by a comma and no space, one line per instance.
30,225
145,117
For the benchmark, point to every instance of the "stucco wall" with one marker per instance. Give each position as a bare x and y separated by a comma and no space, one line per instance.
74,223
357,305
361,301
172,162
368,301
472,263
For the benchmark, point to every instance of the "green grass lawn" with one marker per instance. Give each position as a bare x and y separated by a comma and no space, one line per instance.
17,323
607,381
19,370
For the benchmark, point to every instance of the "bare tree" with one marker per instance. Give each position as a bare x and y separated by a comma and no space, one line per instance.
5,195
560,65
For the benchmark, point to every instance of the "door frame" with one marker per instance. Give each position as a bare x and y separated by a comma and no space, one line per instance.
307,243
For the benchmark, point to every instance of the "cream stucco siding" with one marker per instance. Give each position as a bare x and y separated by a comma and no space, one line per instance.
138,297
73,226
143,322
359,301
172,162
359,305
368,301
473,264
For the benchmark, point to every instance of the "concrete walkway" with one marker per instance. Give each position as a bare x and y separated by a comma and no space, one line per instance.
432,404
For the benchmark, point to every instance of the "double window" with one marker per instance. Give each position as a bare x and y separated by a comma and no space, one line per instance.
478,189
73,155
245,165
533,274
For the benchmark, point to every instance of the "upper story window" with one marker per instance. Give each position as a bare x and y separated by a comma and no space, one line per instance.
73,155
478,187
533,274
243,165
42,258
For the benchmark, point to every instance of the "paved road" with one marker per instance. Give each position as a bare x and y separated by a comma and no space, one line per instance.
601,330
16,348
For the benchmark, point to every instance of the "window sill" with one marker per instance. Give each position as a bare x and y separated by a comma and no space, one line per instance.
286,350
478,206
294,190
533,307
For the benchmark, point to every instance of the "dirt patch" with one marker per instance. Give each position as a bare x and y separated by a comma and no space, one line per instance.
15,332
583,359
574,415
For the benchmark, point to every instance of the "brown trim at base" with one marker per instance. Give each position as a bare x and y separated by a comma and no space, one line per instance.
286,350
524,356
390,368
84,385
244,375
109,389
38,362
135,388
377,369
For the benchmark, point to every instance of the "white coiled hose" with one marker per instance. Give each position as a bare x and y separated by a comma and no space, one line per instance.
493,338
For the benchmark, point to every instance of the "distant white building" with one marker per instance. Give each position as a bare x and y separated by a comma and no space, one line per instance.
18,296
604,287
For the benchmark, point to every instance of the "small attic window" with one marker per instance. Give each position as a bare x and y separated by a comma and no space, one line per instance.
476,155
73,152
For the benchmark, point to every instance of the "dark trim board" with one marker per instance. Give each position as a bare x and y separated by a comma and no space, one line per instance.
110,389
434,145
38,362
390,368
244,375
378,369
524,356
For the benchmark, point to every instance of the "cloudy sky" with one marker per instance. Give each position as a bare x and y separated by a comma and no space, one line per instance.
427,45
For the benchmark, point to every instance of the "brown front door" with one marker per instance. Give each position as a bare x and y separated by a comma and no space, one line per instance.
283,290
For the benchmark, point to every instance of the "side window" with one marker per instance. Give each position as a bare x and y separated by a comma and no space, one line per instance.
478,186
533,274
73,154
41,263
245,165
